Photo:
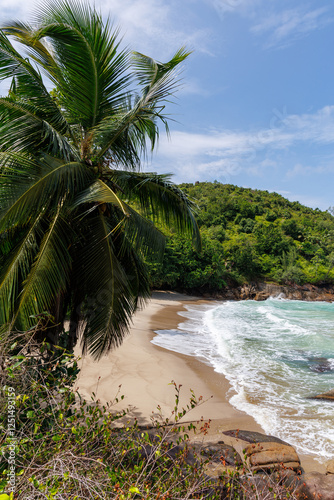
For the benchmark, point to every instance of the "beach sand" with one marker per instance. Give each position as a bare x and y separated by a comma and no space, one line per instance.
143,372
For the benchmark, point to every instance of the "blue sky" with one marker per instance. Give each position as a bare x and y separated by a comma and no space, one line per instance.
257,104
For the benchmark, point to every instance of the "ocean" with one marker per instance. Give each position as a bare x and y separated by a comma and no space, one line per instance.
275,354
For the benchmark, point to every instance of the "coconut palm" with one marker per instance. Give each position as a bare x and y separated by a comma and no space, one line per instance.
76,212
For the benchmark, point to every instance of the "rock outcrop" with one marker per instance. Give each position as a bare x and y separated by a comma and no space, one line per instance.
314,485
264,456
327,396
270,468
262,291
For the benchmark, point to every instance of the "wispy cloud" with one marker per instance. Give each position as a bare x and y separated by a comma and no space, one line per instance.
279,25
289,25
222,154
157,27
234,6
307,170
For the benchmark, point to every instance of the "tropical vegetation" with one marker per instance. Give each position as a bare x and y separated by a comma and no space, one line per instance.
71,242
248,235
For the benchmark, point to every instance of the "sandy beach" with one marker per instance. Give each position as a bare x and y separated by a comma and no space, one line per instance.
142,372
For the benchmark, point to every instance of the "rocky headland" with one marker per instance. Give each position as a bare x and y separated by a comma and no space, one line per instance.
262,291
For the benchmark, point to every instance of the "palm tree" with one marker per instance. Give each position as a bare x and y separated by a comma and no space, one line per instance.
76,213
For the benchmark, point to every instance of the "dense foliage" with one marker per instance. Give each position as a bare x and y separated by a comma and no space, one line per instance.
248,235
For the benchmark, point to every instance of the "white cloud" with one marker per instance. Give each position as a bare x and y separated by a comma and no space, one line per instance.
303,170
15,9
280,26
216,154
156,27
289,25
234,6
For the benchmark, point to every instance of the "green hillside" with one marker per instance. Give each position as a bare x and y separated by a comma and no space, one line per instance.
248,235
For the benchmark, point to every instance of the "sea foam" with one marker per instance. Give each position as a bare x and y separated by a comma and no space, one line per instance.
275,354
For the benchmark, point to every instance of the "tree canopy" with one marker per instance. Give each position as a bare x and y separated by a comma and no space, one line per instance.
248,235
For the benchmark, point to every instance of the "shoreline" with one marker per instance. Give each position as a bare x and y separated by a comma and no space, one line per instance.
142,372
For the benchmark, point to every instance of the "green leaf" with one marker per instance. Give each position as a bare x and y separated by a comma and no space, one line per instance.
133,490
56,438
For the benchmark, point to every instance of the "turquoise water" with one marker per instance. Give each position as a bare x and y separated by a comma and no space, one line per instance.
276,354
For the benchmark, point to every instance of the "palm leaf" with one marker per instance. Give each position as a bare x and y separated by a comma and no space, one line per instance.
50,179
86,65
30,115
99,192
137,121
109,303
159,199
48,276
16,268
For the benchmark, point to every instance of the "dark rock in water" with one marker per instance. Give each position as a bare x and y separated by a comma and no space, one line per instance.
253,437
320,365
326,396
315,485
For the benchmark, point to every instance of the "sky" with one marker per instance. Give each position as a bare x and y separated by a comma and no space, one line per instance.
256,105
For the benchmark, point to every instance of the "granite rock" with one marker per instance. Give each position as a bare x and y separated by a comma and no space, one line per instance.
267,453
314,485
253,437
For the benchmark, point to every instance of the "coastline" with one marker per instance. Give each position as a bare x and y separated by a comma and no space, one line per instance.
142,372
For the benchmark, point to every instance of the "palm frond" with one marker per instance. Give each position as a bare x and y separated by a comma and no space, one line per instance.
30,116
159,199
137,121
15,269
86,64
48,276
148,71
142,235
49,180
109,302
99,192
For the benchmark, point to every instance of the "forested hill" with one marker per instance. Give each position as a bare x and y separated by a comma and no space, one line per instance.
248,235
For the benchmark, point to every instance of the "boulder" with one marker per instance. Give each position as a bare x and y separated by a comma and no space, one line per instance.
320,365
218,453
271,455
314,485
253,437
327,396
